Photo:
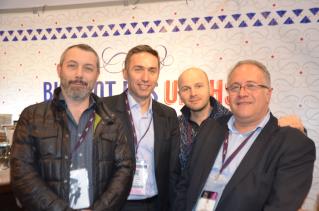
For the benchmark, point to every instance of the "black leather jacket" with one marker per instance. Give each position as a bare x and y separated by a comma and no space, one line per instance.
40,159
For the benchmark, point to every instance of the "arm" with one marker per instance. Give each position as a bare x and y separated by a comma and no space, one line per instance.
292,121
175,167
179,203
294,172
27,184
119,186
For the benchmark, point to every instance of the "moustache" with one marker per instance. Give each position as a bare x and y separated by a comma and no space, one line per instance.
78,82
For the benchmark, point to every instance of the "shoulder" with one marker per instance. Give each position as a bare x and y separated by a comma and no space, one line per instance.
114,101
37,108
294,137
111,99
163,109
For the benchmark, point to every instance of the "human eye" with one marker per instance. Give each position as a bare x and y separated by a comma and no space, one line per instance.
152,70
234,88
88,68
251,86
71,65
138,68
198,86
184,89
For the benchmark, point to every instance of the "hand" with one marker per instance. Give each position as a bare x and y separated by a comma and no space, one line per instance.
292,121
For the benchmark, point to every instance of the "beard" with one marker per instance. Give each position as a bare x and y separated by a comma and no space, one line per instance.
200,108
77,89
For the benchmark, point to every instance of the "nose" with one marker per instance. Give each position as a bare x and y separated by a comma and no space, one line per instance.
242,91
192,91
145,75
79,72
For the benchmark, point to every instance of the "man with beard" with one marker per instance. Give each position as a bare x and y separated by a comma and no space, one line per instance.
70,153
194,91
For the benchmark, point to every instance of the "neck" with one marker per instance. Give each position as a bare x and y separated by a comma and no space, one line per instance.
77,107
143,102
245,126
200,116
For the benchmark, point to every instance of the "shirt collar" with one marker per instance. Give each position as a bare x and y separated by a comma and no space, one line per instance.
134,104
232,128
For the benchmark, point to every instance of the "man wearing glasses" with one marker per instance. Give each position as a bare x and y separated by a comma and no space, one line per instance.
245,160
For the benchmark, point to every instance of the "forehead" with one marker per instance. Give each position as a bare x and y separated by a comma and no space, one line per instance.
192,77
143,59
80,55
247,72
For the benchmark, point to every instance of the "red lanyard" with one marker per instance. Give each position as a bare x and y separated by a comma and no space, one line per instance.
136,143
226,162
84,134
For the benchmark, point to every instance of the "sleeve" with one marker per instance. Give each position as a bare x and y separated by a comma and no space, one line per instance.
175,167
181,191
294,173
27,185
118,189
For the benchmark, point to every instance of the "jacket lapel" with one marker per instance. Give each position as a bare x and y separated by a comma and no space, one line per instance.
121,110
158,130
205,151
250,160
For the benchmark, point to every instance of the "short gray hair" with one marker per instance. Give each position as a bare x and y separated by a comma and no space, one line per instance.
256,63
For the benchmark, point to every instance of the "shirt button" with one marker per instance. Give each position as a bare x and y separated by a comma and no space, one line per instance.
66,157
66,135
80,154
79,134
65,181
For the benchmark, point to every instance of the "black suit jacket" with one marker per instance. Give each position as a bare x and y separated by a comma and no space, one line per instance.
274,175
166,144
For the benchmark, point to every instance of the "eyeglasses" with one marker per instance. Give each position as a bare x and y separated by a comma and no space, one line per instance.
235,88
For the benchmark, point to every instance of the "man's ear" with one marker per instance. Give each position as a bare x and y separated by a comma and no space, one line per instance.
59,69
227,100
124,73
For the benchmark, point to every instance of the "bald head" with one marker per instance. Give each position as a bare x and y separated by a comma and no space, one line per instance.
192,73
194,89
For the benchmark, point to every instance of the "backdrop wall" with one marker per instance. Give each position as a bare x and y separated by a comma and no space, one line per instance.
212,35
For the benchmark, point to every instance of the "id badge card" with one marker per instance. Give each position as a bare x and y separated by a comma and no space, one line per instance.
140,178
79,189
206,201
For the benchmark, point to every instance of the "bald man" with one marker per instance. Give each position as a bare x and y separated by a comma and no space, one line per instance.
194,91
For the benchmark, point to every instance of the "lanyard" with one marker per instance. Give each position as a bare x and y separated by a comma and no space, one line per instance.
83,134
226,162
136,143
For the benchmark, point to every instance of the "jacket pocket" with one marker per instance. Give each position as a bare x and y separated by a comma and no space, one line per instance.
106,147
46,141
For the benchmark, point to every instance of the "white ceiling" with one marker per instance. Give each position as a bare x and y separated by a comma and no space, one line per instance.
22,4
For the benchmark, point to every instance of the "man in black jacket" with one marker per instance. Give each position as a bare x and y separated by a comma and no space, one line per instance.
152,131
70,153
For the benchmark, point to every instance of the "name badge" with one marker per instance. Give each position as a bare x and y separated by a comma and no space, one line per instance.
206,201
79,189
140,178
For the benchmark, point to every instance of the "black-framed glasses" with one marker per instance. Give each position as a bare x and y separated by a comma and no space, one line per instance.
235,88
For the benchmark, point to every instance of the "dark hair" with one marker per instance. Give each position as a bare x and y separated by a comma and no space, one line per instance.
140,49
84,47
